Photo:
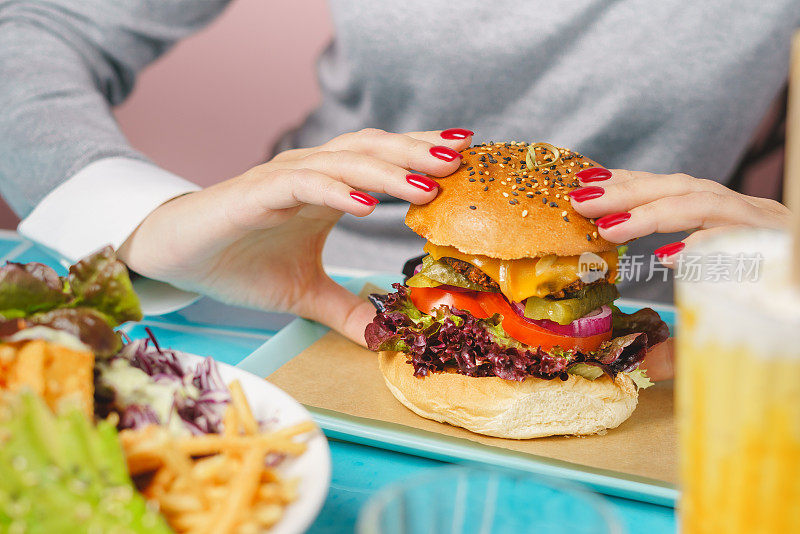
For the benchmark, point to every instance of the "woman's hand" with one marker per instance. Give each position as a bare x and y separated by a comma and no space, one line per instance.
630,204
256,240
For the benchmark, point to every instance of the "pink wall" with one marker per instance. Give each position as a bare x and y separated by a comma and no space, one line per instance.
214,104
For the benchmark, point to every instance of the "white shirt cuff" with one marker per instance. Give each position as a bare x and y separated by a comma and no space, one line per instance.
102,204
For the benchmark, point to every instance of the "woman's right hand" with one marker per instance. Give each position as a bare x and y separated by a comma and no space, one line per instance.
256,240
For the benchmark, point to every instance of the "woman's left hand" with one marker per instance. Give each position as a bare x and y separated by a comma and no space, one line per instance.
631,204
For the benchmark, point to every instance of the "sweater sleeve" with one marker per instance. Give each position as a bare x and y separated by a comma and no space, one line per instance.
63,65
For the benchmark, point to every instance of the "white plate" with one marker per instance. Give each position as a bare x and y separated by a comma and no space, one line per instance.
313,467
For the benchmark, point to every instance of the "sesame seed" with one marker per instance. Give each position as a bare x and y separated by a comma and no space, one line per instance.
505,194
524,213
563,213
594,235
513,187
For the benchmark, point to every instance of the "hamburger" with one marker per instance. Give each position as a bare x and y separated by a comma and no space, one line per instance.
506,327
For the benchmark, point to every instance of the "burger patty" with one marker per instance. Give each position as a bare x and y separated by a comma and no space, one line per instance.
473,274
476,276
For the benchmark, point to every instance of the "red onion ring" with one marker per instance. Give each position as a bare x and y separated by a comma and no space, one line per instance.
597,321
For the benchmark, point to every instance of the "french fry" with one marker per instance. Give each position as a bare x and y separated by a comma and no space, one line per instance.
217,482
242,407
243,491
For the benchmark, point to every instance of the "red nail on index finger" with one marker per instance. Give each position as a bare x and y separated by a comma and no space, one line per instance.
612,220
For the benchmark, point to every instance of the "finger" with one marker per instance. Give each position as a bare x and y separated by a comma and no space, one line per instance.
370,173
670,254
261,195
683,213
624,195
401,150
341,310
455,138
659,362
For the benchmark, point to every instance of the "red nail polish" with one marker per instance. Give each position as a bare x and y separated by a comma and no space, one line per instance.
669,250
444,153
422,182
595,174
586,193
364,198
456,133
612,220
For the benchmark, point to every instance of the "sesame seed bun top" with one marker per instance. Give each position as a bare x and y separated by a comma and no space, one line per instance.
496,205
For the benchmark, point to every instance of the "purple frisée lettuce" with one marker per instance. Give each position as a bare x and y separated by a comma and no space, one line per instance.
452,338
150,385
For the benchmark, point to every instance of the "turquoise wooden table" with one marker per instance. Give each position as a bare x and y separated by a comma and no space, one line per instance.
230,334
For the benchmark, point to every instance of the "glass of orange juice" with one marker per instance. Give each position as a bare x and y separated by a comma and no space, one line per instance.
738,385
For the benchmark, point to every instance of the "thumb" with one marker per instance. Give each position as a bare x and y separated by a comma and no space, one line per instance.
341,310
660,361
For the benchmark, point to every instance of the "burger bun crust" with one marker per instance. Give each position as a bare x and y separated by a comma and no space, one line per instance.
501,408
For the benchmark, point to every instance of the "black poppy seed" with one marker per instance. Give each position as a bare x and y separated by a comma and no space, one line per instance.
538,192
491,179
472,179
469,168
544,200
554,204
472,153
512,202
588,237
529,195
473,207
528,184
483,180
498,153
566,219
545,172
552,167
520,189
471,172
486,188
515,194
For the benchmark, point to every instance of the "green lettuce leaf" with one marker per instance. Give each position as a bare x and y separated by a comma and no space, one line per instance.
101,282
640,378
28,288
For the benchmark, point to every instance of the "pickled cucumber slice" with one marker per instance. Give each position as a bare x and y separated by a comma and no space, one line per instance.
435,273
564,311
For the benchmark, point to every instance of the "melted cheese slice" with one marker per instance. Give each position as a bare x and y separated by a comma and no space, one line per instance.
528,277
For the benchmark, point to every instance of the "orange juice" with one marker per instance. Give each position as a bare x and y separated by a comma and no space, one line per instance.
738,390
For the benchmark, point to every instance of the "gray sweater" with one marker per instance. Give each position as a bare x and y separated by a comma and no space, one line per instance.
664,86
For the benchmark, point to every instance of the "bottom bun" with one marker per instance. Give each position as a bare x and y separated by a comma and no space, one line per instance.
493,406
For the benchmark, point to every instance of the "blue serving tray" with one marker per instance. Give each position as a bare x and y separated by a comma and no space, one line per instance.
301,333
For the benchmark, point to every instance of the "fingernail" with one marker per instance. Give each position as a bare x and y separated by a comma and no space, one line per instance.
586,193
456,133
595,174
422,182
367,200
669,250
442,152
612,220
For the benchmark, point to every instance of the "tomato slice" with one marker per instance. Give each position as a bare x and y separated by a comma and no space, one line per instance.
427,299
482,304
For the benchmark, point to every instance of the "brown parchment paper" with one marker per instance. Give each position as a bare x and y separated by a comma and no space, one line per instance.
336,374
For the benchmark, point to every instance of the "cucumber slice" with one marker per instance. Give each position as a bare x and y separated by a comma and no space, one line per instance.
564,311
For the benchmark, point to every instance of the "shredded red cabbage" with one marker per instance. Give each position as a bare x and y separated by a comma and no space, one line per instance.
201,410
479,347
